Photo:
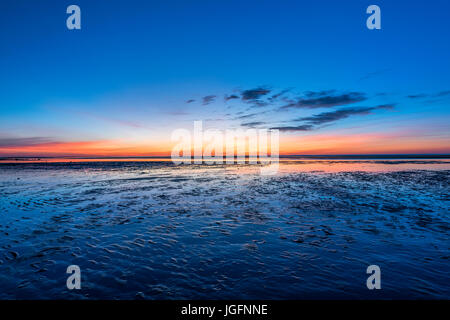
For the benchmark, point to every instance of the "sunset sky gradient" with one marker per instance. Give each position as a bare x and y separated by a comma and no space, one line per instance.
137,70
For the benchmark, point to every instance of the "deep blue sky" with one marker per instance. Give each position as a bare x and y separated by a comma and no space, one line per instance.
135,63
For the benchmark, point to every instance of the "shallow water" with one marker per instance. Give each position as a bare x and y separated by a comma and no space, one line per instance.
157,231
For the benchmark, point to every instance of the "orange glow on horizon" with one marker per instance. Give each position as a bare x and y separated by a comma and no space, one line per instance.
338,144
318,144
98,148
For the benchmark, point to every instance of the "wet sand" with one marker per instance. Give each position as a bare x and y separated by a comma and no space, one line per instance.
153,230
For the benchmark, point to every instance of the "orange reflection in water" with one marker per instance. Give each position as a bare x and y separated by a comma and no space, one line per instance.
285,165
335,166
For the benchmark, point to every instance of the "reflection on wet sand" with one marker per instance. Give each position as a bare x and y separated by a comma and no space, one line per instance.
154,230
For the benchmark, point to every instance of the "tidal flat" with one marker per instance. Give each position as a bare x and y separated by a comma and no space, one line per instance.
153,230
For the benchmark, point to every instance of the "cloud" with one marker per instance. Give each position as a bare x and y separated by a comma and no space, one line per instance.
279,94
253,95
305,127
333,116
443,93
326,99
318,94
208,99
252,124
417,96
312,122
389,106
245,116
23,142
259,103
230,97
241,115
425,95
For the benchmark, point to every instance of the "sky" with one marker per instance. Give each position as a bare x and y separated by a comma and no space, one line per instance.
138,70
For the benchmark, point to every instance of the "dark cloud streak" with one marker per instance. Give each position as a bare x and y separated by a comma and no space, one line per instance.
208,99
425,95
230,97
23,142
305,127
253,124
326,99
254,94
333,116
312,122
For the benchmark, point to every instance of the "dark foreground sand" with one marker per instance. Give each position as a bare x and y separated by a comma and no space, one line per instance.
152,230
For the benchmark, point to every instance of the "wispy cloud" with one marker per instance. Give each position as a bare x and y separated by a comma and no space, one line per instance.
253,124
283,99
443,93
303,127
313,122
254,94
279,94
417,96
429,95
333,116
240,115
230,97
326,99
208,99
23,142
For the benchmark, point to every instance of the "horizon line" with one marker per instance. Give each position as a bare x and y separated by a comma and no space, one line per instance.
363,155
